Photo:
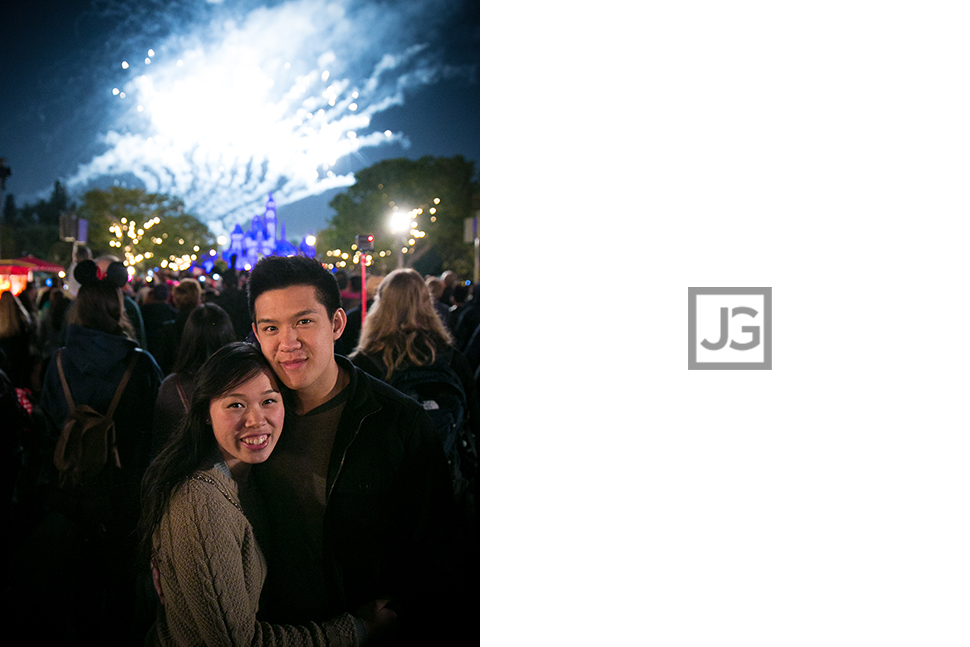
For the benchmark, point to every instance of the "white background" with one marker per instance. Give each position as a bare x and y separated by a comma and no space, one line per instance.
630,151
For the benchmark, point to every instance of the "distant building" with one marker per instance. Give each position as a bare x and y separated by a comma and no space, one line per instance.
266,237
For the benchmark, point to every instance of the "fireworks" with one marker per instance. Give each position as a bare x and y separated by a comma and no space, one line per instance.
273,100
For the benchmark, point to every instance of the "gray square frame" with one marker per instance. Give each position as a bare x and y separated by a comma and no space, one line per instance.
693,364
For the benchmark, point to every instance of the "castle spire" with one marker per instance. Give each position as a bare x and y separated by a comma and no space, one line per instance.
270,219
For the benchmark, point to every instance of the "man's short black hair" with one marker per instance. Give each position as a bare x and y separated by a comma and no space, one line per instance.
278,272
160,291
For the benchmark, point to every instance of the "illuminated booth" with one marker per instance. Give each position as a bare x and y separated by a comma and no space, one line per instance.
16,274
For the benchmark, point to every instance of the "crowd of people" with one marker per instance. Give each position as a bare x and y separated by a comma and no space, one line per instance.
288,464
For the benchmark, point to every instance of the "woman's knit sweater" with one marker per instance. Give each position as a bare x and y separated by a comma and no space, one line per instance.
212,571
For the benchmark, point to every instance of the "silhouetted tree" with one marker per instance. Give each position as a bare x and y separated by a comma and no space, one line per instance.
365,208
34,228
122,222
9,208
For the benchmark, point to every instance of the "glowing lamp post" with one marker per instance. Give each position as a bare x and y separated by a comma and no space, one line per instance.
400,222
220,243
308,246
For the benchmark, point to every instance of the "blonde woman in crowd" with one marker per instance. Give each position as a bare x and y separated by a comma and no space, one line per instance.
403,332
403,328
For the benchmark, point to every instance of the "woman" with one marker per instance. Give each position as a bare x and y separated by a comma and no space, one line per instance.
207,329
200,507
99,349
404,343
403,329
16,338
52,321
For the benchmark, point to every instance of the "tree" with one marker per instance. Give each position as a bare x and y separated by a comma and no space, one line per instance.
33,229
445,190
145,230
9,208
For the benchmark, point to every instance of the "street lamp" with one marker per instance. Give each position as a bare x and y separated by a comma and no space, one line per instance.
308,246
400,222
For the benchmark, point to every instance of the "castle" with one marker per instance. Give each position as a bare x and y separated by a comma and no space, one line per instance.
266,237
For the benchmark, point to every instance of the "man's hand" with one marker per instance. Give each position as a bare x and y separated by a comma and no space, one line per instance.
378,619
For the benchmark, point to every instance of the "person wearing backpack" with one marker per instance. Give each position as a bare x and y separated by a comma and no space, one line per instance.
404,343
95,488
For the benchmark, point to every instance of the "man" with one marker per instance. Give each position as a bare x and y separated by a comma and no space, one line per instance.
437,288
357,491
450,279
81,253
234,301
156,311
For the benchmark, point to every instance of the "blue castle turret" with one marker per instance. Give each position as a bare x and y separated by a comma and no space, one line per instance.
270,218
266,237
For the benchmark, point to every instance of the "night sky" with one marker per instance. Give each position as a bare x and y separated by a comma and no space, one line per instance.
220,103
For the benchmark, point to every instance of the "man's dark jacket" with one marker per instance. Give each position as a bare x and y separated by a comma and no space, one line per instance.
390,527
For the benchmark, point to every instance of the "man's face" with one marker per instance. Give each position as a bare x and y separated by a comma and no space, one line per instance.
297,338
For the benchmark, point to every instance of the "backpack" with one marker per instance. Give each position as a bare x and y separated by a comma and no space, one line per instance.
439,391
86,455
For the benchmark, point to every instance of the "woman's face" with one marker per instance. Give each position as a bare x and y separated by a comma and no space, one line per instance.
247,421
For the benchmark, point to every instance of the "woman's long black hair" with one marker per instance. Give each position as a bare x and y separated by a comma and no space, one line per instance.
207,329
193,442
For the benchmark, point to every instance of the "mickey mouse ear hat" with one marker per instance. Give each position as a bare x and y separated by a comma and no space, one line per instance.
88,273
